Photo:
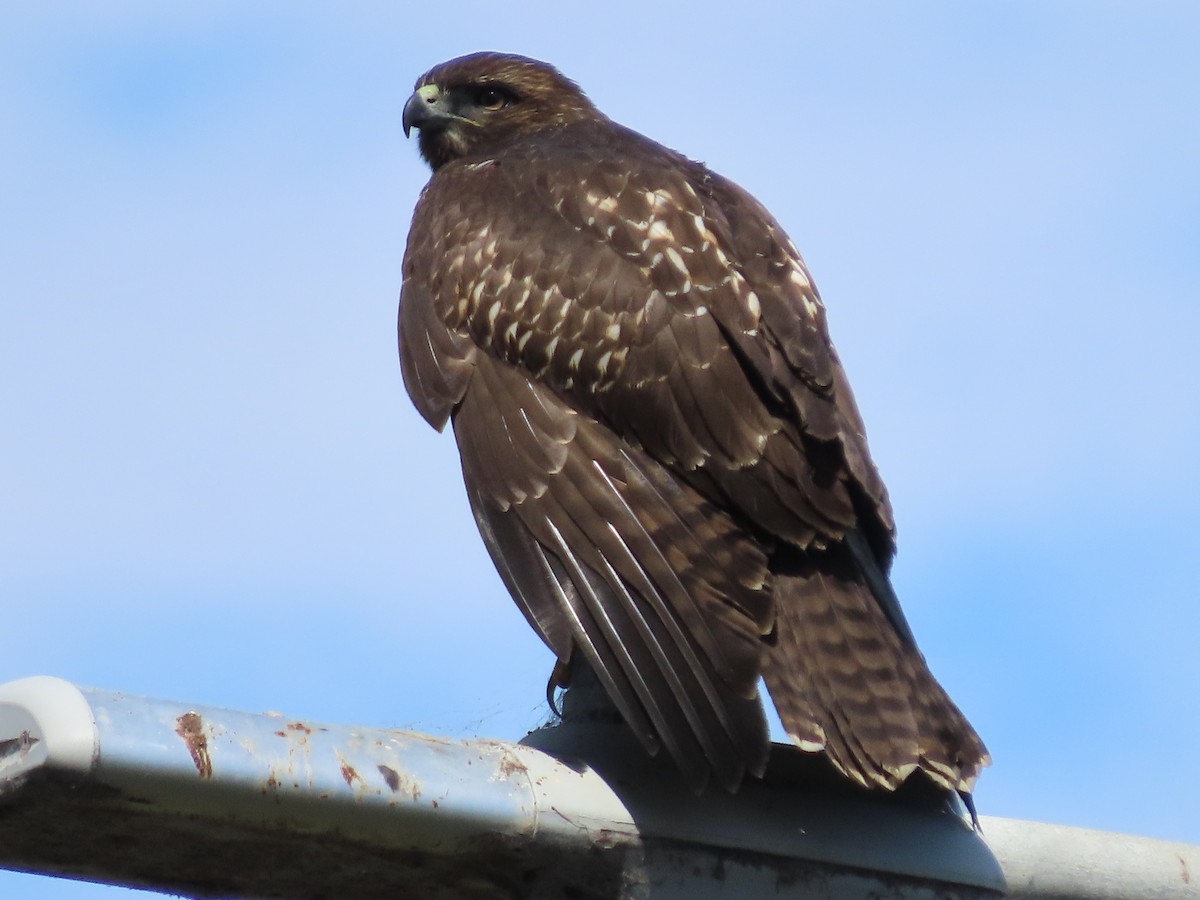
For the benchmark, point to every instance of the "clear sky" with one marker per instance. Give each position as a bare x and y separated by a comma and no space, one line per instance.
214,488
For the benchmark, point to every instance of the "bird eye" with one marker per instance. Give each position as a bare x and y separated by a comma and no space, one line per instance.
491,98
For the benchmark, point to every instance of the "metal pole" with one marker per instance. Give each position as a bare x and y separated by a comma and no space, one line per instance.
210,802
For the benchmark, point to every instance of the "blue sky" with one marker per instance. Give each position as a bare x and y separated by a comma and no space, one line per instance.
215,490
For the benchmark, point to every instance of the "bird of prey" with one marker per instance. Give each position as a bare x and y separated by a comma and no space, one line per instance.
658,441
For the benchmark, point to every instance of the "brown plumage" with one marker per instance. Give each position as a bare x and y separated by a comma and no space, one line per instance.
658,441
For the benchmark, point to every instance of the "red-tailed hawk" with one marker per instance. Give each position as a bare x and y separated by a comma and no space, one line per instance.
658,441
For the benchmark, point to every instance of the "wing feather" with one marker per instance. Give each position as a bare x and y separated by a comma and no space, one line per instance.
682,656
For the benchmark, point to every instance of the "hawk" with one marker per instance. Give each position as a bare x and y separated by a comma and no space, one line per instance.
658,441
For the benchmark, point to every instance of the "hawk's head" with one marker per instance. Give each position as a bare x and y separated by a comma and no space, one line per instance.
472,104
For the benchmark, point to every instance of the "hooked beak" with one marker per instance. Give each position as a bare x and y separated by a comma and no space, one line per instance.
424,108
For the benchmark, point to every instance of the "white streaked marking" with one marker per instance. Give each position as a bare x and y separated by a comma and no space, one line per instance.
753,304
526,291
677,260
660,231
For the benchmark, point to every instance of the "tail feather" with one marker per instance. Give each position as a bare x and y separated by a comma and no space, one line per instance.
844,681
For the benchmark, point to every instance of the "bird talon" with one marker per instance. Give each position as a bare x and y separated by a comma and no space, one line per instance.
560,677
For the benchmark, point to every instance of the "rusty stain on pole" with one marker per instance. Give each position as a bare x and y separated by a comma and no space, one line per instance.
190,727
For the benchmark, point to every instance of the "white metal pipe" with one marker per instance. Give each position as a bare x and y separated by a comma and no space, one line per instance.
207,801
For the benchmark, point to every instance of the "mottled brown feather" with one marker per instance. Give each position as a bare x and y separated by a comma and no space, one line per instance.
652,564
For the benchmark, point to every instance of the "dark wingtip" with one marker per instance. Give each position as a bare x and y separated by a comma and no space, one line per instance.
969,802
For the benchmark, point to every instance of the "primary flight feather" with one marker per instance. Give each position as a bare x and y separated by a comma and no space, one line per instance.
658,441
